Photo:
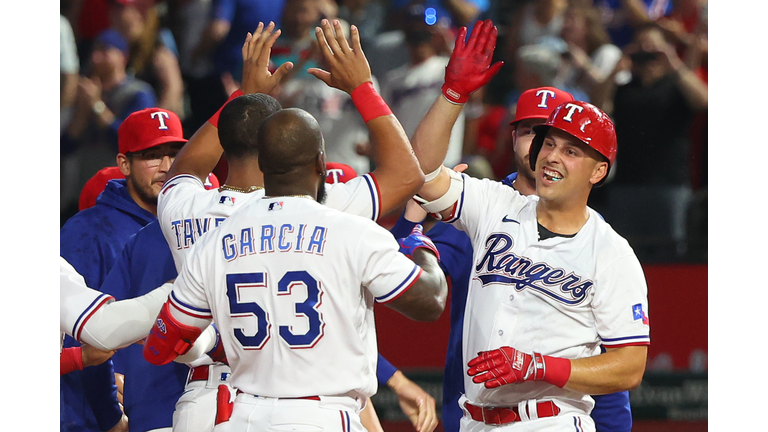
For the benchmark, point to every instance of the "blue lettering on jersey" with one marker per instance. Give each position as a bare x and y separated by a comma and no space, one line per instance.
187,231
498,266
228,246
317,240
246,241
281,243
267,235
242,243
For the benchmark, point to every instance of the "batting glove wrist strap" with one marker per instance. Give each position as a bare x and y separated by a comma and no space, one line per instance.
416,240
470,65
368,103
214,120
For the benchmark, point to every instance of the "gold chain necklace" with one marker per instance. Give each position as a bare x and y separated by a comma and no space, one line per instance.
241,190
287,196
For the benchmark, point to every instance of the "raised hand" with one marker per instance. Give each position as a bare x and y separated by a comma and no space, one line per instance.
349,67
256,51
470,65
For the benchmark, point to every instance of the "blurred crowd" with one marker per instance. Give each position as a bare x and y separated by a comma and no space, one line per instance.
644,62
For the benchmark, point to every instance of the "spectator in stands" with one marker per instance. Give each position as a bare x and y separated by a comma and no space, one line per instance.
648,198
368,15
532,21
297,42
342,126
590,57
153,54
103,101
412,89
621,18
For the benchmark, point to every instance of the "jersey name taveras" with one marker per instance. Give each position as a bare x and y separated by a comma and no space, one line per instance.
290,284
560,296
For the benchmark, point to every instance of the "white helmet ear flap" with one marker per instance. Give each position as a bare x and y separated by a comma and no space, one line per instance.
447,200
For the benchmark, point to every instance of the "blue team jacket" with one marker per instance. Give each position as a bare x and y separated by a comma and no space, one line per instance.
90,241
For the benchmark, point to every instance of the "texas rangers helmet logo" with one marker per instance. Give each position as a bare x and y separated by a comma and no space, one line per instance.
571,109
500,266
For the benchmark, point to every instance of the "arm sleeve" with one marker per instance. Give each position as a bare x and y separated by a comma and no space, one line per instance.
383,269
71,360
384,370
122,323
359,196
620,304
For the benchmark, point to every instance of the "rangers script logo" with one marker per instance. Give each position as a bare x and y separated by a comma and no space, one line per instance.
498,266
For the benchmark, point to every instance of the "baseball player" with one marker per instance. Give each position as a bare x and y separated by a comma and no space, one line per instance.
186,211
291,287
551,281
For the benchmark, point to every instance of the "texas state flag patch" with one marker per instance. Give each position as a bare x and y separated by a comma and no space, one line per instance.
639,314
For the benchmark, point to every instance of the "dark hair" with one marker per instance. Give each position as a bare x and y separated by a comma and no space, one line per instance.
239,123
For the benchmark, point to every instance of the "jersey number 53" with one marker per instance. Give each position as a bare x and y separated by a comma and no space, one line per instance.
307,308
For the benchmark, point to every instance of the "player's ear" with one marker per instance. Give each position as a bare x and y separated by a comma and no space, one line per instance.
124,163
320,164
599,172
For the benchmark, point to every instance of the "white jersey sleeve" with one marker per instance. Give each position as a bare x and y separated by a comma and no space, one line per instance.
360,196
78,302
621,311
384,270
188,295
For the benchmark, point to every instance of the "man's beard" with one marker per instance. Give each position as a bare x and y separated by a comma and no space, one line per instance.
146,193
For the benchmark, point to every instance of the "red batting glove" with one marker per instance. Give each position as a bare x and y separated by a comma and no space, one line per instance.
470,65
224,405
507,365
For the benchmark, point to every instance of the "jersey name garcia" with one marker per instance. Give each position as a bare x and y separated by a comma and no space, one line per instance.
562,296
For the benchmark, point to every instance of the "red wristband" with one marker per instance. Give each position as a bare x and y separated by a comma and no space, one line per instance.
71,360
558,370
214,120
368,102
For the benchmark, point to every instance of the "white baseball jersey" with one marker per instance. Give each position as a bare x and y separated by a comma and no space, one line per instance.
186,210
560,296
78,303
291,284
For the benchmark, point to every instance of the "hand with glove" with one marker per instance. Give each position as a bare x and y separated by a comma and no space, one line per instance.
470,65
416,240
507,365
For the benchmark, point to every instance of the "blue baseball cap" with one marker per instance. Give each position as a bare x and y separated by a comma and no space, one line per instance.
112,39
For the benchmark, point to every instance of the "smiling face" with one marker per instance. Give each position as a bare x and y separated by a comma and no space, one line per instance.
566,168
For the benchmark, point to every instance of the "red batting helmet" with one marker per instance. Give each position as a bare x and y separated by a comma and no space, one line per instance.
585,122
538,103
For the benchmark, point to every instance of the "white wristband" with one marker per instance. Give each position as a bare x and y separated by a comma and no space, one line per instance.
433,175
